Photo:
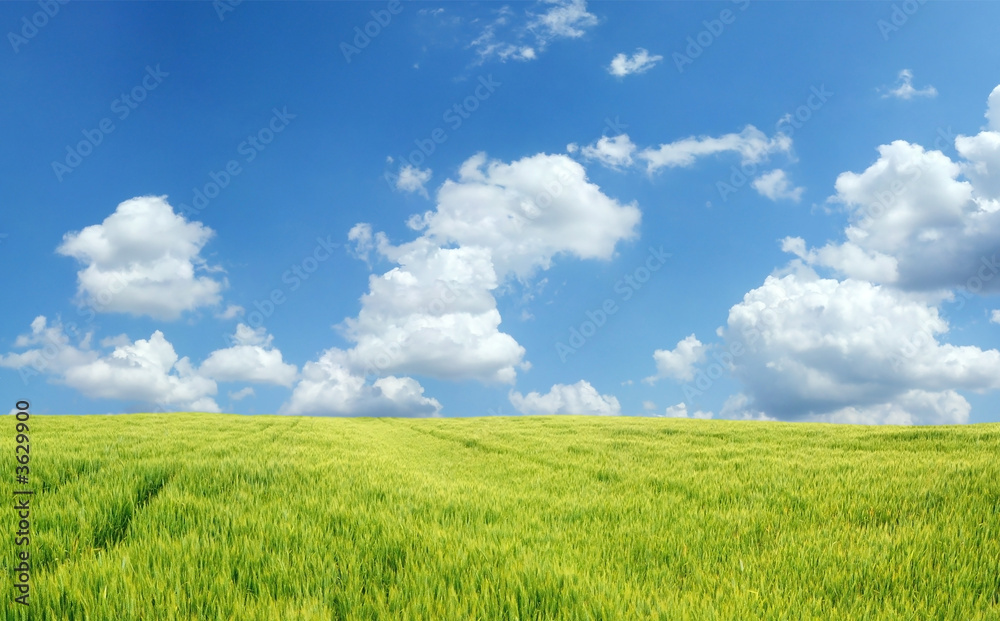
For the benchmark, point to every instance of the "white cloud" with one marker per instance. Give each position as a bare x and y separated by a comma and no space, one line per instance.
823,349
913,407
751,144
412,179
434,314
678,363
915,224
143,260
579,398
648,406
680,411
982,166
993,110
904,88
640,62
147,371
232,312
250,359
54,353
524,36
774,185
566,19
526,212
995,316
738,407
612,152
329,388
241,394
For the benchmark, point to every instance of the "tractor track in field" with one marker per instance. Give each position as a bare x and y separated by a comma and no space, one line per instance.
472,443
115,527
70,475
599,473
114,530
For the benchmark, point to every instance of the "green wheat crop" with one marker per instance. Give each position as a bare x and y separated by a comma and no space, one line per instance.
198,516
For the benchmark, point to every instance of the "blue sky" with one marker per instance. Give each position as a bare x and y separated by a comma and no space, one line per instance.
753,210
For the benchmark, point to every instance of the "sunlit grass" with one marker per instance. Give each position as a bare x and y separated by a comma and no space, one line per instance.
191,516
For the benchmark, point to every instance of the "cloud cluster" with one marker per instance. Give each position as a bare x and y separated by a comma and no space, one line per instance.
435,313
869,346
916,223
752,145
330,388
147,371
524,36
824,349
579,398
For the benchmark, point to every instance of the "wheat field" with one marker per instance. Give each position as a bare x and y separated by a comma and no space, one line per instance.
204,516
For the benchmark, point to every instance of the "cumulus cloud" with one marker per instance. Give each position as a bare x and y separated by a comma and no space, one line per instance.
775,186
679,362
523,36
915,224
680,411
579,398
751,144
995,316
982,166
143,260
329,388
147,370
250,359
904,88
526,212
412,179
49,350
640,62
823,349
434,313
613,152
993,110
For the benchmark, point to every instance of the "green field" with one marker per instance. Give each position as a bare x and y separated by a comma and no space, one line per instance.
199,516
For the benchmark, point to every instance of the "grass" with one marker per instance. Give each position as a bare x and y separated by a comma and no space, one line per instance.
191,516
